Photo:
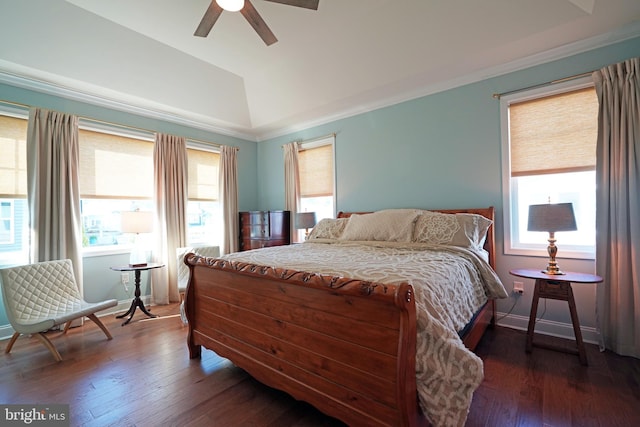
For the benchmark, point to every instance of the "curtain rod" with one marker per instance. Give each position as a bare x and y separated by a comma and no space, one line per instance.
577,76
151,131
17,104
318,138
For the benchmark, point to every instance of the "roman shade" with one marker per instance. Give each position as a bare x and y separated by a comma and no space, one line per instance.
315,167
203,174
115,166
554,134
13,161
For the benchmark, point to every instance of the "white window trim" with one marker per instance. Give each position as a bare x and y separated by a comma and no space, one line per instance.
115,129
505,102
16,111
202,146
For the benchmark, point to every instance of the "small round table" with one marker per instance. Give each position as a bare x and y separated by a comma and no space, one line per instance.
137,302
556,286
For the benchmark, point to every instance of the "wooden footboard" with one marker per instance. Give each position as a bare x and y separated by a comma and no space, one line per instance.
345,346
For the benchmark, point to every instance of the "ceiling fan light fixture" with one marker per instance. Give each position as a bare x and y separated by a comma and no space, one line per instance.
231,5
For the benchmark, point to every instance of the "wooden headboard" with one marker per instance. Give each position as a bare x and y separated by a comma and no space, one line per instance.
489,244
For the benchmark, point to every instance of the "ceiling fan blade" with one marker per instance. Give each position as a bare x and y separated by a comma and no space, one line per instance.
258,24
210,17
307,4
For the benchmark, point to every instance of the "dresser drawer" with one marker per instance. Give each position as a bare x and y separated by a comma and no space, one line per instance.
259,229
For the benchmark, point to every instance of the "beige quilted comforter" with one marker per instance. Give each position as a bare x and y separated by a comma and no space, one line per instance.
450,285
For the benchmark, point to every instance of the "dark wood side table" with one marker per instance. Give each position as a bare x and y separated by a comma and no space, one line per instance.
137,302
556,287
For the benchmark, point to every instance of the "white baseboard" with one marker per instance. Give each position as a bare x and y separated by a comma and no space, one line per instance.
548,327
6,331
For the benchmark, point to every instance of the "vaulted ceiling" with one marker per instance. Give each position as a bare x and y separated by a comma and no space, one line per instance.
347,57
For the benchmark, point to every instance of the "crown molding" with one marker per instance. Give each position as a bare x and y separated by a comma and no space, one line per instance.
126,104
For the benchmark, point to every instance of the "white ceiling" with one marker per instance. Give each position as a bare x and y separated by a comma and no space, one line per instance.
347,57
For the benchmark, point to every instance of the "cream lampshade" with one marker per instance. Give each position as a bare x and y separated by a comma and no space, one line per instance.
137,222
551,218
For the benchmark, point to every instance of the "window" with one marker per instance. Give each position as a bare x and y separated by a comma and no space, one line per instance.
550,156
204,214
14,214
316,169
116,174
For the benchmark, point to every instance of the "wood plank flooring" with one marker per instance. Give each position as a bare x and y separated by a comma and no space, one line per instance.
144,377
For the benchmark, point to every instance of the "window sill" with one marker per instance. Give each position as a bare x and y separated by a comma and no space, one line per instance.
542,253
105,251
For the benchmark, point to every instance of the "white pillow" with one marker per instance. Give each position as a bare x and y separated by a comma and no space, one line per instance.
328,228
461,229
391,225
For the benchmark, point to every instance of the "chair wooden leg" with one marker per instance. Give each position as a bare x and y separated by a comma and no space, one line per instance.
67,326
49,345
98,322
11,342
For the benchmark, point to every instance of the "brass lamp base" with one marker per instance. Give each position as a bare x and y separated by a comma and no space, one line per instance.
552,249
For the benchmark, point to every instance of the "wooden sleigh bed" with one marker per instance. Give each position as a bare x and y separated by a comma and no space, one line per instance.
346,346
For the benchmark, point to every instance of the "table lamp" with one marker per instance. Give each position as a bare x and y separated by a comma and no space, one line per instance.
137,222
305,220
551,218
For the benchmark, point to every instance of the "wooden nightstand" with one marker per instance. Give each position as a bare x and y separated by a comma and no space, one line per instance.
556,287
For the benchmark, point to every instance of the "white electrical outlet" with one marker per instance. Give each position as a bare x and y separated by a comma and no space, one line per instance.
124,278
518,288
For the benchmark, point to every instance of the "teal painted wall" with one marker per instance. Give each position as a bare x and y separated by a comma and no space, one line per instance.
442,151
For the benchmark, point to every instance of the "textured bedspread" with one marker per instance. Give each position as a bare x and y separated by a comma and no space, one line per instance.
450,285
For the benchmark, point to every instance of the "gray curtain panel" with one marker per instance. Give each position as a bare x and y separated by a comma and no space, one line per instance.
170,199
228,182
53,193
618,206
291,184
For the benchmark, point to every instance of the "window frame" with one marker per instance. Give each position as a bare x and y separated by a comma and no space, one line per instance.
320,142
508,200
22,113
116,130
202,146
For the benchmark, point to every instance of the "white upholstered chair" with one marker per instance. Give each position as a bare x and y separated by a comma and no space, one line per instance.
183,269
39,296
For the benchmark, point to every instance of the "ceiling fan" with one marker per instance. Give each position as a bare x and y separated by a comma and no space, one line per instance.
245,7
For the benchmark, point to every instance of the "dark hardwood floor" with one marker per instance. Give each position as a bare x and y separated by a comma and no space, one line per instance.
144,377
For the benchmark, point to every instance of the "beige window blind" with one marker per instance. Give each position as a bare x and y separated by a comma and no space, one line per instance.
203,174
315,167
115,166
13,161
554,134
